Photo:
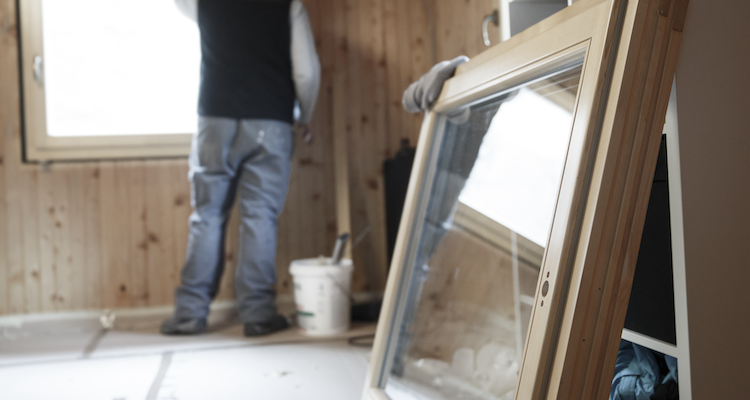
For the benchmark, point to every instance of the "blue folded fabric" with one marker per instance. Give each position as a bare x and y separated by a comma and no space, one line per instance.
636,373
672,365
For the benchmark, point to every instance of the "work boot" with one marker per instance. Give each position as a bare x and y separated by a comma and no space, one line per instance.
191,326
275,324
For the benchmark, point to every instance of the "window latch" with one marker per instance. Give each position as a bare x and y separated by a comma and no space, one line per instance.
38,72
494,18
500,17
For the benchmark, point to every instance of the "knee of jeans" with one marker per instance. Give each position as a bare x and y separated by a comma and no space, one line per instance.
258,210
219,171
206,218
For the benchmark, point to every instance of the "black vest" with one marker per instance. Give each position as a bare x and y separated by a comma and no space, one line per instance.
246,66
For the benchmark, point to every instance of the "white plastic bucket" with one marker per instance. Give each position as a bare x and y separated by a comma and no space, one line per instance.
321,294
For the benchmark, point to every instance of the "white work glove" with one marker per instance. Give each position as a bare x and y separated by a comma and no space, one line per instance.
420,95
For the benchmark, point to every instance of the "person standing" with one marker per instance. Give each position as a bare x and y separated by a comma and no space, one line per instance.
259,70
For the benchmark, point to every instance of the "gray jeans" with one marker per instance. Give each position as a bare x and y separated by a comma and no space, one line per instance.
252,156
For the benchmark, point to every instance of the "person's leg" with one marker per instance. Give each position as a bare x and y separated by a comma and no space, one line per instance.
263,183
213,186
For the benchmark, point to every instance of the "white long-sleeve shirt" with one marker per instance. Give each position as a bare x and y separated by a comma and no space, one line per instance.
305,63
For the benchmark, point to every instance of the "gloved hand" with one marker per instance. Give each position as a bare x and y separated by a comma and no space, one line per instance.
420,95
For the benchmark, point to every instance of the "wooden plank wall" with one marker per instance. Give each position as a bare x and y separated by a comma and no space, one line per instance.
106,234
383,46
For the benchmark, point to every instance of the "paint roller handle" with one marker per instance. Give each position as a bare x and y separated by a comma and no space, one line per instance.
338,250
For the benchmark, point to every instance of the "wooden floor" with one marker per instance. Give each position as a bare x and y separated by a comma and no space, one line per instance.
79,360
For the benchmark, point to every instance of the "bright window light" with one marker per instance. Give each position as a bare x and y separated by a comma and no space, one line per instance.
516,177
119,67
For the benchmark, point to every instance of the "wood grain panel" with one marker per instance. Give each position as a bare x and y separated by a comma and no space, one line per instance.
93,284
154,232
420,41
77,260
122,243
107,234
46,232
63,248
180,202
165,238
355,53
31,254
8,97
393,109
403,66
14,222
13,298
136,259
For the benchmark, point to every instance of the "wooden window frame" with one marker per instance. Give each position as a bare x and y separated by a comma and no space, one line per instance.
630,49
39,146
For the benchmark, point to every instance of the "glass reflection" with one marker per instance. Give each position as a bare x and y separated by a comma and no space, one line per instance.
481,242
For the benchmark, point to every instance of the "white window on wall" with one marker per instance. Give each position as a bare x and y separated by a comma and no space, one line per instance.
108,79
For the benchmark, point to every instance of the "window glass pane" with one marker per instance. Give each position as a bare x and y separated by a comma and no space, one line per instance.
520,154
486,222
119,67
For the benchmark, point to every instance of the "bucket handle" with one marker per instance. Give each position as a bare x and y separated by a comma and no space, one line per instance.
343,290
